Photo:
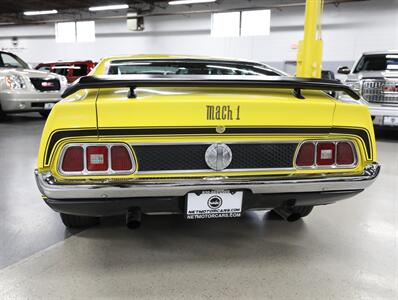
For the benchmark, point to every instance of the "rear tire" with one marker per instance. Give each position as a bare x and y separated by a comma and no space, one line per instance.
73,221
44,114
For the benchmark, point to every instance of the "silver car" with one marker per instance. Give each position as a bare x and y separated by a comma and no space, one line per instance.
23,89
375,77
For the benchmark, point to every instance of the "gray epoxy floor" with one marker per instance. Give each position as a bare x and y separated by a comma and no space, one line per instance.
348,250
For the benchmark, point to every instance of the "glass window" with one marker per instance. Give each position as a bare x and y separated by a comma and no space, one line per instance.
12,61
171,67
256,22
65,32
377,62
85,31
61,69
80,70
72,32
225,24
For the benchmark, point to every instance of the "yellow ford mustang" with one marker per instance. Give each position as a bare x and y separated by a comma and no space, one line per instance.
204,137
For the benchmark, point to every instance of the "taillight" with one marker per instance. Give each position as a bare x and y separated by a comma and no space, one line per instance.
325,153
73,160
345,154
120,158
101,159
306,155
318,154
97,158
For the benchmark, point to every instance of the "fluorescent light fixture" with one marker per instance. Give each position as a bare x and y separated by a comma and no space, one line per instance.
181,2
40,12
108,7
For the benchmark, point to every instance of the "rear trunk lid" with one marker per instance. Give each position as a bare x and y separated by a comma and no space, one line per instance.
205,107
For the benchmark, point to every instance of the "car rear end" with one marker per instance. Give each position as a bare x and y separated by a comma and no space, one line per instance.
186,148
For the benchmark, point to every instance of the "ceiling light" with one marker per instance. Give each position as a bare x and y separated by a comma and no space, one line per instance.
40,12
108,7
180,2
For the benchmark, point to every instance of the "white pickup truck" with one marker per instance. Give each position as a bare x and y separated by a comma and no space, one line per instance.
375,77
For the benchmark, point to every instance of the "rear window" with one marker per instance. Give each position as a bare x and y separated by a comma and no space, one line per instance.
169,67
80,70
61,69
377,62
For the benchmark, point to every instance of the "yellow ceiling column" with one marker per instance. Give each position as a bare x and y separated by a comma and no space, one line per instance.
309,57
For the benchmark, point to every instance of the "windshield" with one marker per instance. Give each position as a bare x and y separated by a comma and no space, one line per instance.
8,60
174,67
377,62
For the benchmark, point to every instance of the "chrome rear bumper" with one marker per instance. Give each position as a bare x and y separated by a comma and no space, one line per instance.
144,188
379,111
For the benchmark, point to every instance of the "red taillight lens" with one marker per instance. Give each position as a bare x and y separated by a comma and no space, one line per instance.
120,159
97,158
306,155
326,153
73,160
345,154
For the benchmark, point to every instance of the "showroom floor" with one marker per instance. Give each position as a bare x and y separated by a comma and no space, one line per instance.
346,251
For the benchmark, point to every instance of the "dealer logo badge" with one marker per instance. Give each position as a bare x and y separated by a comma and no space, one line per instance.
214,202
218,157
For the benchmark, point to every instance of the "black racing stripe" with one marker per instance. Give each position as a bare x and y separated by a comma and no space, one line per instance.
57,136
362,133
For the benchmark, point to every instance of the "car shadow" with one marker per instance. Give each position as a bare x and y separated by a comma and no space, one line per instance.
22,118
386,134
256,235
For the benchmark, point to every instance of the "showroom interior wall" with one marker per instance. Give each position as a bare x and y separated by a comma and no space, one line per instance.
349,29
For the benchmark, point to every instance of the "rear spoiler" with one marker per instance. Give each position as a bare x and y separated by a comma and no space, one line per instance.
272,82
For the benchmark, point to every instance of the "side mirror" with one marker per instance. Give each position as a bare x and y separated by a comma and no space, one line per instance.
343,70
326,74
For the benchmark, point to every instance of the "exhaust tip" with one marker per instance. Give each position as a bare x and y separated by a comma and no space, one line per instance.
293,217
287,214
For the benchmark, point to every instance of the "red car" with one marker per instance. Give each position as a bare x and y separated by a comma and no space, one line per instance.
72,70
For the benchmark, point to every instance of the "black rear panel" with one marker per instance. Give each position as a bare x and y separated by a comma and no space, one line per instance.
192,157
43,85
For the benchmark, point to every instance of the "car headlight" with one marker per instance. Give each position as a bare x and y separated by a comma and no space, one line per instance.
355,85
15,82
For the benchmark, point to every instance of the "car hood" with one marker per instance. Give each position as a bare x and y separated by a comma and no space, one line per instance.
30,73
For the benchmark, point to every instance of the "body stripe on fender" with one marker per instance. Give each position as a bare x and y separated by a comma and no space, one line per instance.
63,133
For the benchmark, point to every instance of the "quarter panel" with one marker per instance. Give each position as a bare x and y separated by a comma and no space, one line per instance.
74,112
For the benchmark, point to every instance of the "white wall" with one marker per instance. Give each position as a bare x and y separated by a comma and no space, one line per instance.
349,29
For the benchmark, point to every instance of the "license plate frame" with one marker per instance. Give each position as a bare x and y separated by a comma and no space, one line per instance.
213,204
390,121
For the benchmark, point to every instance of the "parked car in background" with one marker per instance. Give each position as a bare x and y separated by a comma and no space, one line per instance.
72,70
204,137
23,89
375,77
